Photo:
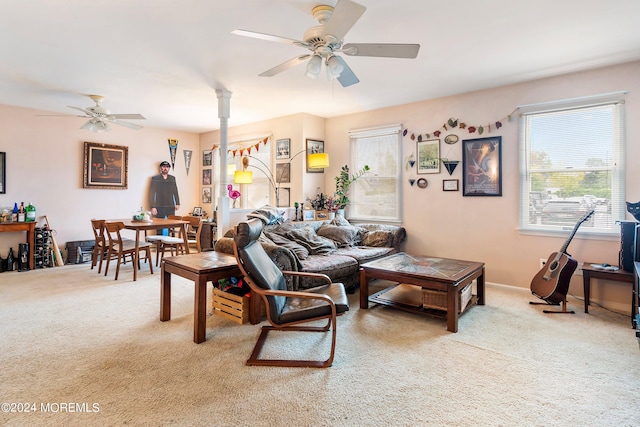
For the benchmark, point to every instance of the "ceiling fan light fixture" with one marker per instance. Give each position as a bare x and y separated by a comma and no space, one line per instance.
314,66
96,126
334,66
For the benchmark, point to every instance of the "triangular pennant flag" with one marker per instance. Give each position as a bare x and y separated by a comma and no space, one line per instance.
450,165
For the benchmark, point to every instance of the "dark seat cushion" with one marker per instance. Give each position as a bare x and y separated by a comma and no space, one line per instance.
303,308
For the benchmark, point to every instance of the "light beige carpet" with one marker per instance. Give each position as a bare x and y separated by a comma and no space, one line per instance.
71,338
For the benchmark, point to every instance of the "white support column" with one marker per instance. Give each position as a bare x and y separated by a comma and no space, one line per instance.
224,102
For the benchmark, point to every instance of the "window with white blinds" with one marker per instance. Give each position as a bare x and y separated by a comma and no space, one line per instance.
377,195
572,163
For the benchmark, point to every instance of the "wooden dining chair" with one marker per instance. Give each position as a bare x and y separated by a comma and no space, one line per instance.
174,242
100,248
194,230
119,248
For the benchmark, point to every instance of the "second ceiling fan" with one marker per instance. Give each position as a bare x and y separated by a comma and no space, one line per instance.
326,39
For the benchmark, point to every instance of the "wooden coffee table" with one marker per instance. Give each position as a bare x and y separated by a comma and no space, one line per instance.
432,273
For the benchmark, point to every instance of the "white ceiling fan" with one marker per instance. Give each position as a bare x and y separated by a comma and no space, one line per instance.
100,118
326,39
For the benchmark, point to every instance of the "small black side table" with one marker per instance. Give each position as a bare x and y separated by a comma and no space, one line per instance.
589,272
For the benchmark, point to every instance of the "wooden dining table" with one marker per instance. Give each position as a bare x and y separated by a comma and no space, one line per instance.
153,224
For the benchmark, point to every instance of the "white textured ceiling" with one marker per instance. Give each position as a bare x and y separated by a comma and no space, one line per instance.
165,58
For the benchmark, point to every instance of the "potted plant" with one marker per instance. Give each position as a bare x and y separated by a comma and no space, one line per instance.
343,182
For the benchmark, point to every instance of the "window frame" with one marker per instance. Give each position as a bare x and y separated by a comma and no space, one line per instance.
357,137
616,168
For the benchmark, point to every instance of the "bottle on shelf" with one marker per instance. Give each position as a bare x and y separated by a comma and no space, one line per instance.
11,260
14,213
30,212
21,214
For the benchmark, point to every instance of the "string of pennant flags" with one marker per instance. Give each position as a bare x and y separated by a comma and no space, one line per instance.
456,123
241,151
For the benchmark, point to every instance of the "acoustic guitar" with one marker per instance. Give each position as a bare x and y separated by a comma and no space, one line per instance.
552,281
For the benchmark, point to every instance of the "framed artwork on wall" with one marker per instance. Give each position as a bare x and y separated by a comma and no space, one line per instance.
207,158
105,166
206,195
450,185
284,197
428,156
314,146
283,149
482,166
283,172
206,177
3,173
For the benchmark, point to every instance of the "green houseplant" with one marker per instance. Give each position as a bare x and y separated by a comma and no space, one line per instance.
343,182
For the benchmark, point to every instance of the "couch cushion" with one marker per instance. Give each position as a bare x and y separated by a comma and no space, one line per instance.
333,265
364,254
300,251
308,238
346,235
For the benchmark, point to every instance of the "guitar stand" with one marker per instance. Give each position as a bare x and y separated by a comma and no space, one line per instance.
563,311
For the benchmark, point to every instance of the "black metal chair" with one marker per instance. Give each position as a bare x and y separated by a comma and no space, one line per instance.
286,310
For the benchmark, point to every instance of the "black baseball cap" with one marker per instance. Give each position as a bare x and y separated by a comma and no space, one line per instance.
165,163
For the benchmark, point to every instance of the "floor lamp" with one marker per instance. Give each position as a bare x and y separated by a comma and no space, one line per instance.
244,176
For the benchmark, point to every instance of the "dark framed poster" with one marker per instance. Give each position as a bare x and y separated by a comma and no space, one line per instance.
482,166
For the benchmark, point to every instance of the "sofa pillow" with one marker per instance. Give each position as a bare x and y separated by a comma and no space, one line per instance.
268,215
380,238
300,251
346,235
340,220
308,238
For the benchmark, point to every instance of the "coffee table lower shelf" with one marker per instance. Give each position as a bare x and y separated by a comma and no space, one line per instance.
411,301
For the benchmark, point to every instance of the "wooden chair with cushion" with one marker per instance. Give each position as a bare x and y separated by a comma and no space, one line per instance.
174,241
286,310
119,248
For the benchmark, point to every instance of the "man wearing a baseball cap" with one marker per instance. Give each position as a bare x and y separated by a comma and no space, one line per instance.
163,198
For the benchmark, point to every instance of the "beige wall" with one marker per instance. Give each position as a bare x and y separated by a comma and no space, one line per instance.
45,158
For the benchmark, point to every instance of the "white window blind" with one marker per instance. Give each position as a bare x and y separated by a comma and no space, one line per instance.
572,162
377,195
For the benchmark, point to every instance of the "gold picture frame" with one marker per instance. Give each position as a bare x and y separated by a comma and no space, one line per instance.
105,166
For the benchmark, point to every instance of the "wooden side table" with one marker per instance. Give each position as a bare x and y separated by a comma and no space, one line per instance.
589,272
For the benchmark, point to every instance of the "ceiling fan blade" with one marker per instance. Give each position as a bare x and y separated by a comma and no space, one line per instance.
88,114
127,116
285,66
346,77
127,124
269,37
344,16
387,50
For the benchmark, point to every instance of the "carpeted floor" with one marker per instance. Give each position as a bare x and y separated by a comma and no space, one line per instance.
73,339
